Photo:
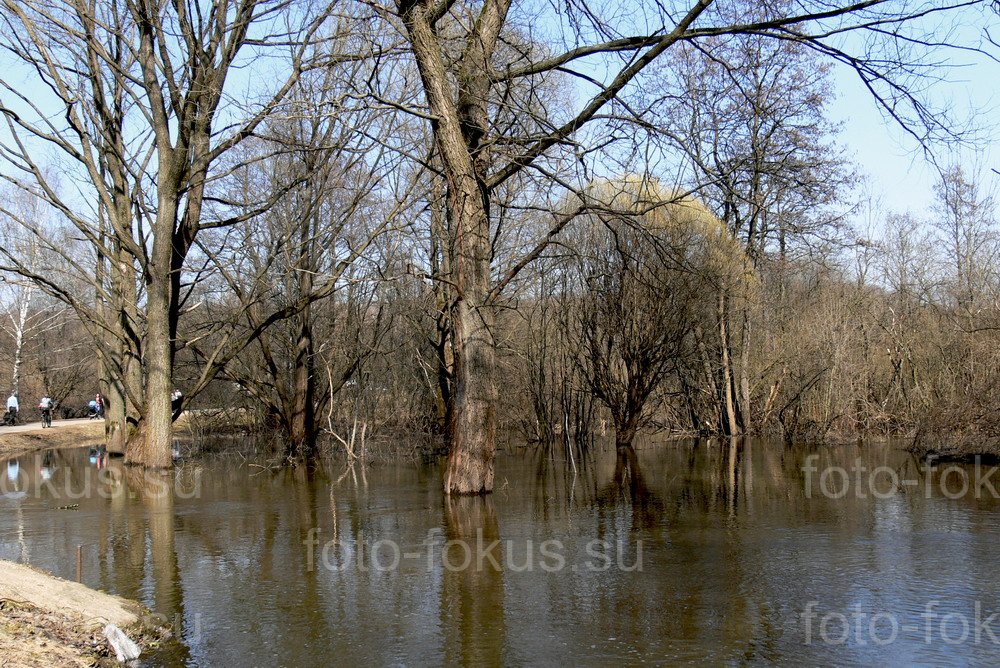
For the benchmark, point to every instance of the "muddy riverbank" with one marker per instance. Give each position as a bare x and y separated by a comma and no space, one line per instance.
46,621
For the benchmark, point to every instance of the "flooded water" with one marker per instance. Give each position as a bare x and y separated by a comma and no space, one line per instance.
678,552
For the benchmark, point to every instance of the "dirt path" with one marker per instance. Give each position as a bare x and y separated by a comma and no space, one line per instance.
46,621
63,434
56,424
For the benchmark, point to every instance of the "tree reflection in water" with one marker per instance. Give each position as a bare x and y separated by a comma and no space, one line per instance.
472,591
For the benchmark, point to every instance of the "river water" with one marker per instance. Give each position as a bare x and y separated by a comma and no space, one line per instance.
679,552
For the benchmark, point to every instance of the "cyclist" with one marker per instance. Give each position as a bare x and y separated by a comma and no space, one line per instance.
45,406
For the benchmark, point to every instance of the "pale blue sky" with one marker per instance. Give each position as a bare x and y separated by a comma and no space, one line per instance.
893,162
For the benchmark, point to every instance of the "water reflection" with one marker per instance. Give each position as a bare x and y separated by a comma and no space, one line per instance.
13,472
628,485
692,551
472,590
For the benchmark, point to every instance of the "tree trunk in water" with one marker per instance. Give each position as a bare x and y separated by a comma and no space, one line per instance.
625,430
115,417
120,374
623,439
458,127
303,429
470,460
302,432
730,426
120,380
113,394
745,369
153,449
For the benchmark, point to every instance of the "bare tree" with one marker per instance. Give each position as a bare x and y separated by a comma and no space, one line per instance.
328,151
145,113
467,56
964,218
749,115
648,270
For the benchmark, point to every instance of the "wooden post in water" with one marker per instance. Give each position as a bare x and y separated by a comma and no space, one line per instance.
79,563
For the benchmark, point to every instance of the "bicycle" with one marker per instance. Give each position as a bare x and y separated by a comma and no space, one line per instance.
46,417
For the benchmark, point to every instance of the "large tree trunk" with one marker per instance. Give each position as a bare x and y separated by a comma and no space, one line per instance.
180,182
625,434
628,418
458,130
470,460
153,448
302,439
302,433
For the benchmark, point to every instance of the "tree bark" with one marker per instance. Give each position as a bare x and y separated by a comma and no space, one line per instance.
625,434
302,442
730,425
744,370
470,460
153,447
458,128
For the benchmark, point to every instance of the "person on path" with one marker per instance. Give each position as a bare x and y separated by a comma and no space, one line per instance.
13,407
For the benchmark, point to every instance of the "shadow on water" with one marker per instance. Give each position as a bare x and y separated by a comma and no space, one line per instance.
685,551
